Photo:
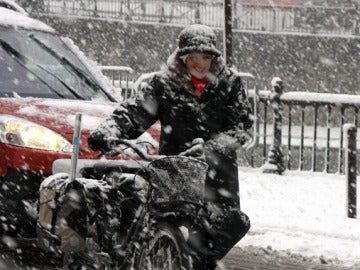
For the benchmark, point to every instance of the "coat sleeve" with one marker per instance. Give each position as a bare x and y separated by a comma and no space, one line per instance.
238,114
238,118
135,116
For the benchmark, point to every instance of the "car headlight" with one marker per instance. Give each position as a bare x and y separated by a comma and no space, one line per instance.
18,131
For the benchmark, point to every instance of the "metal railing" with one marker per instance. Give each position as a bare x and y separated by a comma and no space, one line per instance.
306,19
311,129
122,79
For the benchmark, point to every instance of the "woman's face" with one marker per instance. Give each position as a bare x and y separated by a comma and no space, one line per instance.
198,64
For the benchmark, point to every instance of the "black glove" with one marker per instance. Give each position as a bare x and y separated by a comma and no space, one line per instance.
105,136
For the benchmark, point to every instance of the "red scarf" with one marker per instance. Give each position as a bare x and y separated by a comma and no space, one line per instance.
199,84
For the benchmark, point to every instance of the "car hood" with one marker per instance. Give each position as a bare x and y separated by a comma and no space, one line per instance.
59,115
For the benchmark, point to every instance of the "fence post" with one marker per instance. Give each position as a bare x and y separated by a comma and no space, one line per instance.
356,20
350,168
96,9
162,12
275,162
197,13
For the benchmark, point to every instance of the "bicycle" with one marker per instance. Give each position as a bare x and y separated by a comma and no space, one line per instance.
154,237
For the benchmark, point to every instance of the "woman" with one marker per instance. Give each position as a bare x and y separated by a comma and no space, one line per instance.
204,111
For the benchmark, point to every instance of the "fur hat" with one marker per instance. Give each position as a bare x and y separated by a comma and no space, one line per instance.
197,38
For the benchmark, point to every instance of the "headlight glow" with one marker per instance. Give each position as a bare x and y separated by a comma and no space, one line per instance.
17,131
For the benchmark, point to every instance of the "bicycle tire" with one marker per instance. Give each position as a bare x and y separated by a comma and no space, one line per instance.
166,250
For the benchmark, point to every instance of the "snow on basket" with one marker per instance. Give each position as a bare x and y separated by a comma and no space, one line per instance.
178,178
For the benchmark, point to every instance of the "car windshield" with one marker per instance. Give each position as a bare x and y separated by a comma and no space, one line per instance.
39,64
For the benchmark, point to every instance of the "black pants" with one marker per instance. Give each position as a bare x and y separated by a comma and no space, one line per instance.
224,223
212,241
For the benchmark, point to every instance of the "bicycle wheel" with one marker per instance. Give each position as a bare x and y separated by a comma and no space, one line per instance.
167,250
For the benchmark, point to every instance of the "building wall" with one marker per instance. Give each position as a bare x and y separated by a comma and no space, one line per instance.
304,62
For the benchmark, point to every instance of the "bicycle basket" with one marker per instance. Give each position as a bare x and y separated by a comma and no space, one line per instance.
178,178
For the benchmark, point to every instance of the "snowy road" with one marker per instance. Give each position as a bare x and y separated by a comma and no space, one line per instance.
266,259
252,258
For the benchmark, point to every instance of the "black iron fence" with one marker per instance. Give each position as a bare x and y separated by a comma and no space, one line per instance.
306,19
310,132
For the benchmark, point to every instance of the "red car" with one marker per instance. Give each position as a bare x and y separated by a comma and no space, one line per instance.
44,81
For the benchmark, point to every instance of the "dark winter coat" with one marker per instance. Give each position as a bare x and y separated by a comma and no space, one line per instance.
170,97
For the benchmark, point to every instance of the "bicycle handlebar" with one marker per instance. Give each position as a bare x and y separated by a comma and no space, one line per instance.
240,139
117,150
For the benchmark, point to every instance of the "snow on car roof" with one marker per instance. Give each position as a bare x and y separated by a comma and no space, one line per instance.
16,19
10,4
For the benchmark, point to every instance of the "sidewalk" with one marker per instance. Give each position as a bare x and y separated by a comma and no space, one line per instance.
300,213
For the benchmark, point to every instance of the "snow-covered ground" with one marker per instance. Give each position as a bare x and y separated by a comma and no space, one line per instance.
302,213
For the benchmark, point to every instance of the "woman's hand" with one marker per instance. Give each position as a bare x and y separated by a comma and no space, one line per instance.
196,150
